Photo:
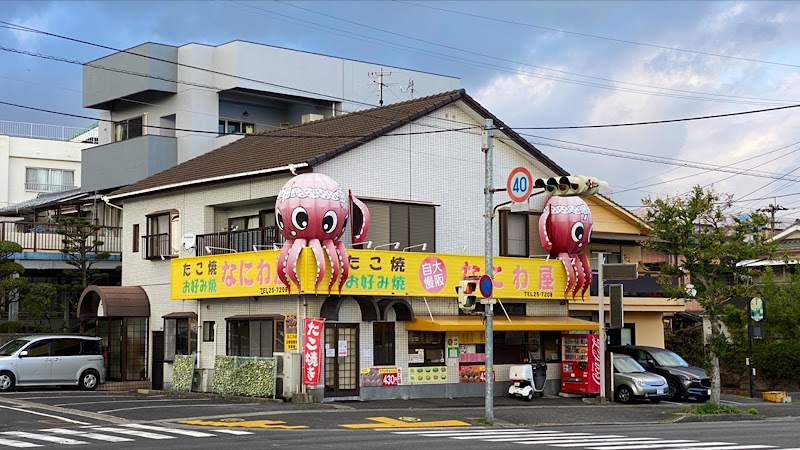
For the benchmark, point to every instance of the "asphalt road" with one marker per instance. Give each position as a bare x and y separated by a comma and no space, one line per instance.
54,418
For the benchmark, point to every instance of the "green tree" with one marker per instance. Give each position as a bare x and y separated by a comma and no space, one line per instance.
36,301
83,248
10,281
707,242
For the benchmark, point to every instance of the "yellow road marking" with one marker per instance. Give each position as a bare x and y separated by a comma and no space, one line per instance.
388,422
245,424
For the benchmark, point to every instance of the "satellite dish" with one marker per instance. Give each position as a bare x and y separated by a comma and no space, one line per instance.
187,241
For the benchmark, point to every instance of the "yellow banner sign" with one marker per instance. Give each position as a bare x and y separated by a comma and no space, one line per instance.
375,273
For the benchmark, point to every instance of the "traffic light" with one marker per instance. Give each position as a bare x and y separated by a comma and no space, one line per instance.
466,289
570,185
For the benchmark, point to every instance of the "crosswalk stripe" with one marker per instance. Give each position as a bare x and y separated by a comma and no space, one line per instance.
136,433
236,432
44,437
671,443
607,441
523,435
180,431
743,447
554,438
84,434
19,444
450,432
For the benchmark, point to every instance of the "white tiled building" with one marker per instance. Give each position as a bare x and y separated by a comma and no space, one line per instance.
422,184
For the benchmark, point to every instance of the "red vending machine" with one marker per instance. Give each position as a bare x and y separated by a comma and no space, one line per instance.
580,364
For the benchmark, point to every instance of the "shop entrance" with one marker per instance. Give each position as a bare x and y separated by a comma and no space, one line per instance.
125,340
341,360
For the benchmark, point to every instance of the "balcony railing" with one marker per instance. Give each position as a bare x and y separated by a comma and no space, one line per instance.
43,131
34,236
156,246
47,187
239,241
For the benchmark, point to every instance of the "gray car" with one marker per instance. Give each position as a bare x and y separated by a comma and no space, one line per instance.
52,361
632,381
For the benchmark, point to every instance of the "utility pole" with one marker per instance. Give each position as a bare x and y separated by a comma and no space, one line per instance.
380,83
601,319
771,210
488,149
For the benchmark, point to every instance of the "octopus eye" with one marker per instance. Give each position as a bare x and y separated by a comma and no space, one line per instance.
577,231
300,218
329,222
279,219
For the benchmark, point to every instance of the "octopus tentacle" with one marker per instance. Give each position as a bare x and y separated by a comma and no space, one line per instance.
283,258
587,273
361,229
319,258
544,237
569,266
580,275
333,257
343,263
291,264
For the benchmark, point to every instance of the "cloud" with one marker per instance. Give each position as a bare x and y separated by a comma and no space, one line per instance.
751,30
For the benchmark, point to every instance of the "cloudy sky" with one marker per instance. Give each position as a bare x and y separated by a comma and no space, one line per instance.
533,64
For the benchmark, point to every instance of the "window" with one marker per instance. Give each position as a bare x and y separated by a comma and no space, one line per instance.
513,234
48,180
551,345
383,343
410,225
425,348
208,331
234,127
243,223
66,347
135,243
251,337
180,337
39,349
163,235
128,128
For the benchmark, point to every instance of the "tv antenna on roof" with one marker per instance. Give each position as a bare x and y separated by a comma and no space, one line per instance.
379,82
409,88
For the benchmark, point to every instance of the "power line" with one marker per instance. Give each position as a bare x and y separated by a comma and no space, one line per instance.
483,55
624,41
267,135
653,122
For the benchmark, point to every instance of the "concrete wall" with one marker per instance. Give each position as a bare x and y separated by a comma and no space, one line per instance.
101,86
649,327
128,161
17,154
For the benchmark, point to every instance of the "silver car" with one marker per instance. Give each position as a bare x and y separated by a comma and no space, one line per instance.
632,381
52,361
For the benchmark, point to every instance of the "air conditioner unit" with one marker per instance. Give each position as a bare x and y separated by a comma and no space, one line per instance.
202,380
305,118
288,368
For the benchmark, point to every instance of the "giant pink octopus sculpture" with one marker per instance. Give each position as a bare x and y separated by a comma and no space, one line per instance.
312,210
564,230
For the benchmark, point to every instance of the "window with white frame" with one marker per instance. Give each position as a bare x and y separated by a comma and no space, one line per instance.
180,336
128,128
235,127
40,179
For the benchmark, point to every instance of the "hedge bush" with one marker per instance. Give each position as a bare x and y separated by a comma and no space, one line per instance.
254,377
182,373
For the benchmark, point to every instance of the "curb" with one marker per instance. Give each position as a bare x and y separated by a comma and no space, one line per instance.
236,398
690,418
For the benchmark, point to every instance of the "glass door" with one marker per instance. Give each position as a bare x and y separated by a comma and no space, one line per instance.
341,360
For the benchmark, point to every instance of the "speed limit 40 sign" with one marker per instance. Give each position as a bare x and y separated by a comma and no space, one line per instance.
519,184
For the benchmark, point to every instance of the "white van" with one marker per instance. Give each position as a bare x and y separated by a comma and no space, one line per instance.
52,361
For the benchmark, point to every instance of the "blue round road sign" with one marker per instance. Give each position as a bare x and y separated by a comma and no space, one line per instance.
485,285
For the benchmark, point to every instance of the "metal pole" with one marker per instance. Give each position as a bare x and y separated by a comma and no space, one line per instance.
750,355
601,319
488,264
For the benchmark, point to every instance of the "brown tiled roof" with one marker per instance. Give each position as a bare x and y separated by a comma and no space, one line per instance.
311,143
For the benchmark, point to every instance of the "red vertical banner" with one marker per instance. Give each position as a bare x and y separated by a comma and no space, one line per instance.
595,359
312,350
